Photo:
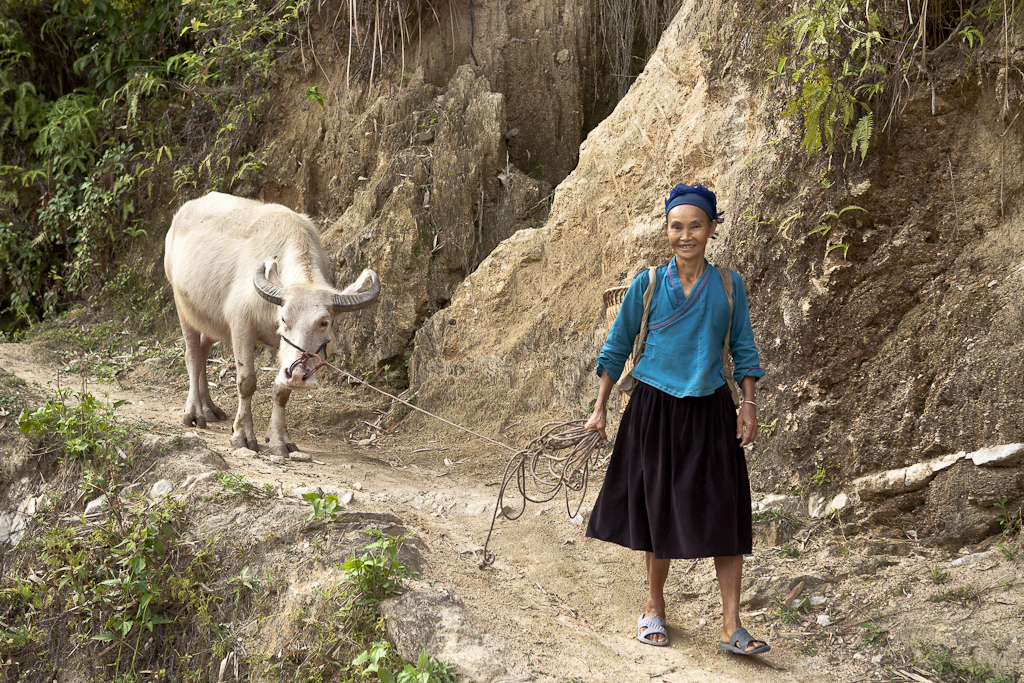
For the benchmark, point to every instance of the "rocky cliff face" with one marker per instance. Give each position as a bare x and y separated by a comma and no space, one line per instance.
906,349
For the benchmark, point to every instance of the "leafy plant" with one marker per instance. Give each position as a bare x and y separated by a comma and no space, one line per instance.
938,576
79,425
325,508
875,633
427,668
313,94
961,594
789,550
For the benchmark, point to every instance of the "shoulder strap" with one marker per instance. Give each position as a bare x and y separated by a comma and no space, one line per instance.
726,276
641,338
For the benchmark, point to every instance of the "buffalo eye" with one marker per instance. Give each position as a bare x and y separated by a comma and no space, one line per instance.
324,323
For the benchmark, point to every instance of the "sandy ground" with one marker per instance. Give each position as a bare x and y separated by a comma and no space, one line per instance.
562,606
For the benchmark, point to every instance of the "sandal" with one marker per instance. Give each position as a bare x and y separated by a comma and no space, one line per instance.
740,641
646,626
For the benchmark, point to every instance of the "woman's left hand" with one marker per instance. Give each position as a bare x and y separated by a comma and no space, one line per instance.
746,424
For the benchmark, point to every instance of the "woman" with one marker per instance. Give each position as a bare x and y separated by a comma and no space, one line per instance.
677,482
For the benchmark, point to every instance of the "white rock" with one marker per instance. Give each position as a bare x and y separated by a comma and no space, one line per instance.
702,622
95,506
243,453
904,479
824,621
817,601
299,456
357,486
162,488
838,503
364,442
858,656
1006,456
278,459
815,506
778,501
474,509
346,497
969,559
193,480
877,659
580,516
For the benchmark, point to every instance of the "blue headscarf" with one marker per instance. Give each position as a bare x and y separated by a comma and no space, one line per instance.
698,196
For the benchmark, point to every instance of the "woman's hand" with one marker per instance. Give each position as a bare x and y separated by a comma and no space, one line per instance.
746,424
746,421
597,422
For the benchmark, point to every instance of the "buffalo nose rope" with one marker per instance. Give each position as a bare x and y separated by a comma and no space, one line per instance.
557,461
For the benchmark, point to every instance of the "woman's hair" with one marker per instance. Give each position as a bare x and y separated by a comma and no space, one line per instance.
698,196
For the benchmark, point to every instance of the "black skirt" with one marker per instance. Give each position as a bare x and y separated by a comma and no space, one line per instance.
677,481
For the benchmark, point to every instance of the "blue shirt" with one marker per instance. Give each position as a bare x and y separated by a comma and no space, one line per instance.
683,354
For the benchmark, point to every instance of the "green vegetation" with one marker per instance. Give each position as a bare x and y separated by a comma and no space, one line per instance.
143,598
938,576
961,594
853,63
106,107
949,668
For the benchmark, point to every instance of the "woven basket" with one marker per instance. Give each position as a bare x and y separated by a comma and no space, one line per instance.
613,302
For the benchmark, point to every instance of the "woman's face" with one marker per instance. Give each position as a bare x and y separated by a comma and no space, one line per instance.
688,229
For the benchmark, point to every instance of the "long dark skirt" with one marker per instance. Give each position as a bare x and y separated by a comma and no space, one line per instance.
677,481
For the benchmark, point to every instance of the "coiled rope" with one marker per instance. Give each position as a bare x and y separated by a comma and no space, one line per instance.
551,469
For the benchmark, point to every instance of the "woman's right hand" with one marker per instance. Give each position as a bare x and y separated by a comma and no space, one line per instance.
596,422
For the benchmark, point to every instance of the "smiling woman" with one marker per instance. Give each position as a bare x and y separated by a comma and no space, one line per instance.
677,483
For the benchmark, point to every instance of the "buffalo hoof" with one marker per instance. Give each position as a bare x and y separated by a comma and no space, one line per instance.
196,420
286,441
214,414
242,441
279,450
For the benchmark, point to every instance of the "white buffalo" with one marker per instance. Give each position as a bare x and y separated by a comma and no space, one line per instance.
244,272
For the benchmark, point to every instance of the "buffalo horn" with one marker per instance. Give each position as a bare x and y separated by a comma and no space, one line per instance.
268,290
353,302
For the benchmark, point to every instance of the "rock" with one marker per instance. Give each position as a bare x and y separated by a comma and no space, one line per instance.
425,138
278,459
758,591
357,486
244,453
817,601
193,480
877,659
346,497
475,509
299,456
837,504
824,621
815,506
777,501
164,487
904,479
364,442
969,559
95,506
562,57
1007,455
581,516
433,619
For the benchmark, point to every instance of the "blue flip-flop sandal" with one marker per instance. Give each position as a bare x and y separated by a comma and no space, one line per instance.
647,626
740,641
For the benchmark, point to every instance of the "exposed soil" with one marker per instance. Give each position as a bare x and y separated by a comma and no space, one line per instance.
564,607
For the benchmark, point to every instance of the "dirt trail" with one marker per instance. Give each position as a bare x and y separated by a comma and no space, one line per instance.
563,606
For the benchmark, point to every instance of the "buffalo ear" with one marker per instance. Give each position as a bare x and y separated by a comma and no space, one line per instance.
273,273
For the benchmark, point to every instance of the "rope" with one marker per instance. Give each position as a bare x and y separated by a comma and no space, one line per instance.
550,470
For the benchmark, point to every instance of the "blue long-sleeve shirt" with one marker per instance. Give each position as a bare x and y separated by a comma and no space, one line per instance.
683,354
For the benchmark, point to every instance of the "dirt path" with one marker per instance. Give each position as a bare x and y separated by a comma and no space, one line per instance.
560,606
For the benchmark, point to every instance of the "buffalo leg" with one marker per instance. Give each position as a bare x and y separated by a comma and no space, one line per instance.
243,434
277,433
199,406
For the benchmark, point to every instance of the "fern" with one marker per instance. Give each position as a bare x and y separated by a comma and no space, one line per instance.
862,134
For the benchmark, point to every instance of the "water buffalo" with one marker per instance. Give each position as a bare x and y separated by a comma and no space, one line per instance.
244,272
